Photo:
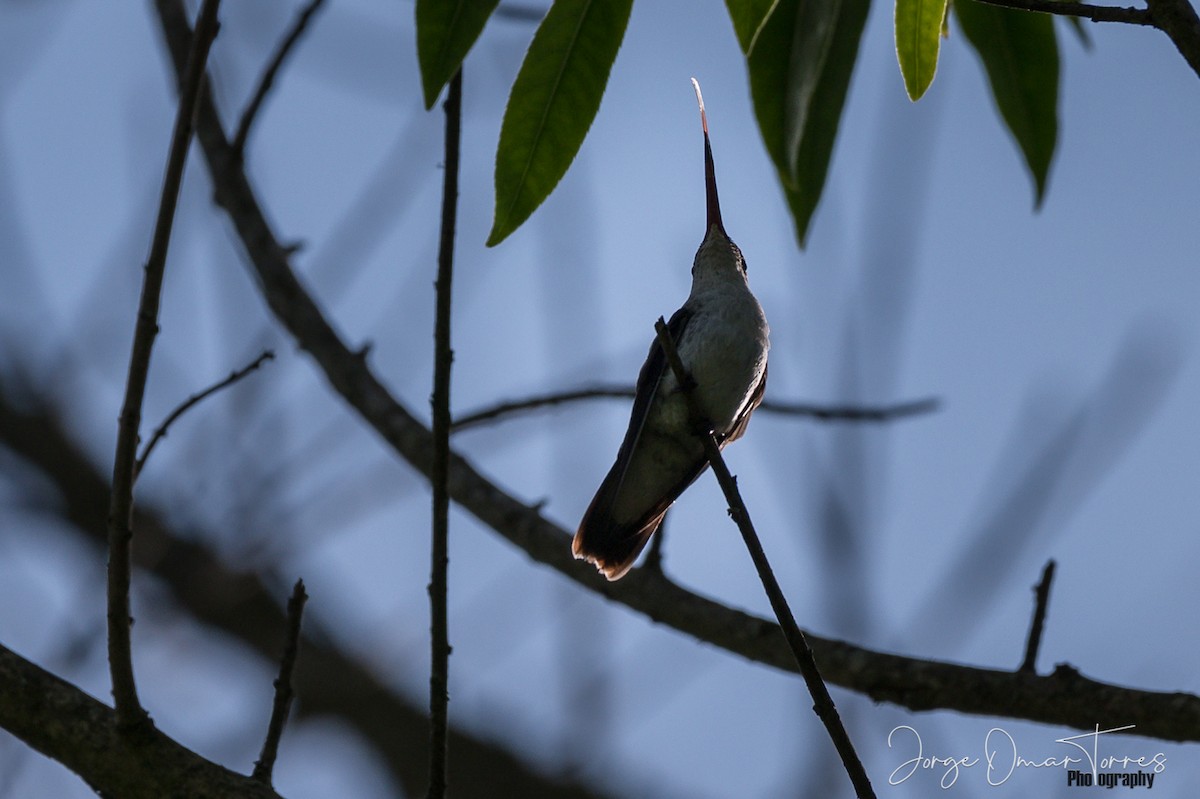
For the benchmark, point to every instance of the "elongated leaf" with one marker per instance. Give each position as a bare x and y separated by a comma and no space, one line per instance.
918,39
1020,53
554,99
446,31
800,65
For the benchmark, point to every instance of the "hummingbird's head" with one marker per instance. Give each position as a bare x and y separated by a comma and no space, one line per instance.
718,256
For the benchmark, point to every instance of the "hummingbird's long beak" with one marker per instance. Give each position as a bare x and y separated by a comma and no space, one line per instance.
710,173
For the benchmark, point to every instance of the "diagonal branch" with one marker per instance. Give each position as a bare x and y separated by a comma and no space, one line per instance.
822,703
1178,19
62,722
1064,697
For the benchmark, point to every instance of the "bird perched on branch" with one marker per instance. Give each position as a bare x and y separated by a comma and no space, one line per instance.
722,338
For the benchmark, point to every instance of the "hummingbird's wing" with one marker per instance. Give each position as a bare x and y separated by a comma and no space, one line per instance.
743,417
612,543
647,387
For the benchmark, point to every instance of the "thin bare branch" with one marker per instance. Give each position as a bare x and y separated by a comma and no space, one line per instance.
1041,593
822,702
1130,15
439,665
120,514
268,77
513,407
283,686
161,431
825,413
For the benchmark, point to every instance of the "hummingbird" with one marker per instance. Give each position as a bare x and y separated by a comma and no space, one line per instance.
721,334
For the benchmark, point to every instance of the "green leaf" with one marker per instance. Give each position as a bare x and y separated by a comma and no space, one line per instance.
918,39
446,31
554,99
800,64
1020,53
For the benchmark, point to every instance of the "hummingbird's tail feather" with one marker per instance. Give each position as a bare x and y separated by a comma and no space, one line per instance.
613,549
611,535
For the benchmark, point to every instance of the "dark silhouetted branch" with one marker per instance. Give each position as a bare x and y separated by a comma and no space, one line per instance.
161,431
1041,594
1176,18
439,658
120,513
63,723
268,77
822,702
1129,15
282,705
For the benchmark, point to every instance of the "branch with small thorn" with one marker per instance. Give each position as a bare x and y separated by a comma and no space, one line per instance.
265,764
130,714
822,701
439,655
1041,593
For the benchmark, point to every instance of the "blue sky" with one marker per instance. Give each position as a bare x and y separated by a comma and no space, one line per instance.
927,274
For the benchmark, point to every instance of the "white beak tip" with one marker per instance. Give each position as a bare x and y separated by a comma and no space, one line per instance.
700,102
